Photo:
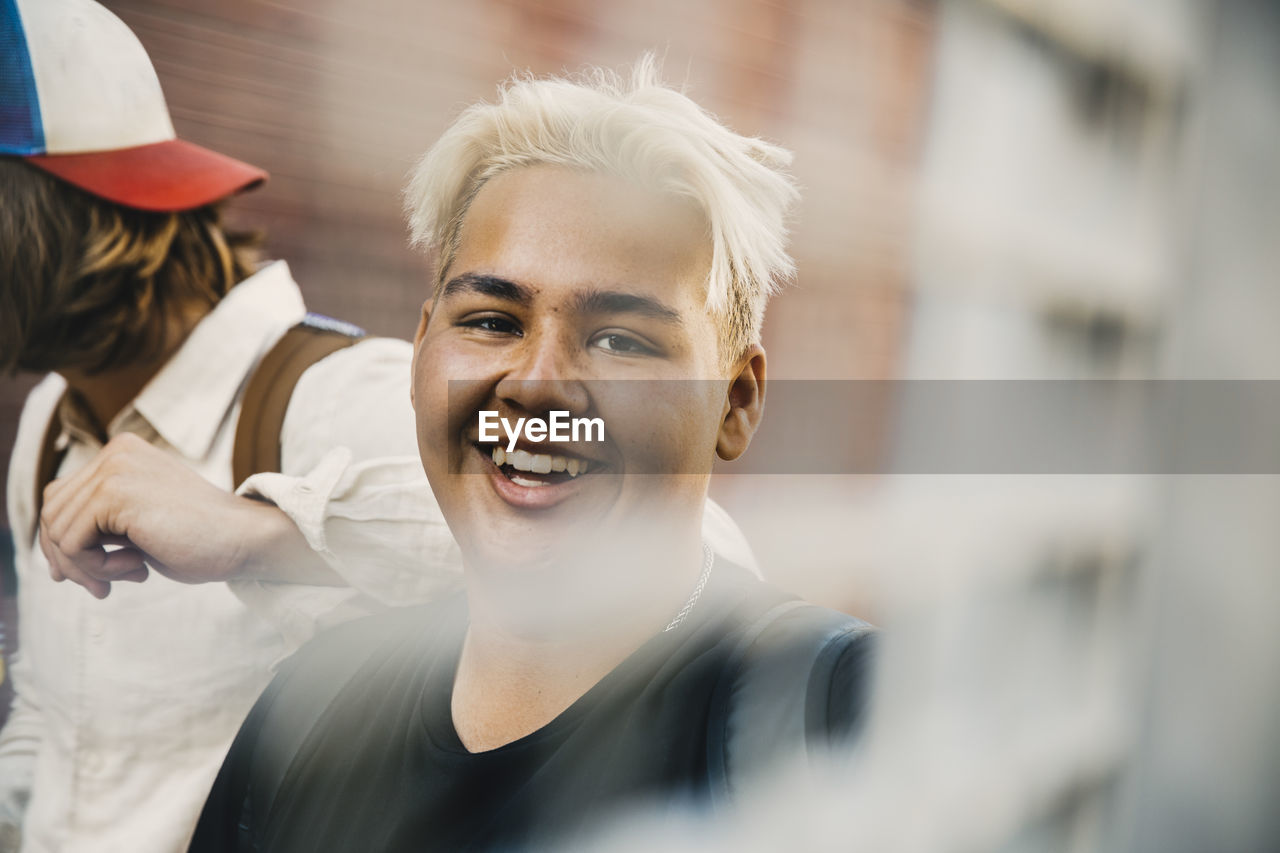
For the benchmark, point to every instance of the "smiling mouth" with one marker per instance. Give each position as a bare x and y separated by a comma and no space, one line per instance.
535,470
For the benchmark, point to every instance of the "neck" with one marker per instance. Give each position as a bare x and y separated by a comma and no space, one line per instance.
106,392
519,671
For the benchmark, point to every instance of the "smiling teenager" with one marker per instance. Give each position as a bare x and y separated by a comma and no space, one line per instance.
605,252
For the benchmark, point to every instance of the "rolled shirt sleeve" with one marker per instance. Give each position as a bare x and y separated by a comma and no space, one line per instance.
353,484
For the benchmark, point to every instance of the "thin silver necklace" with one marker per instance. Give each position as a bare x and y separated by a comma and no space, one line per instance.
707,560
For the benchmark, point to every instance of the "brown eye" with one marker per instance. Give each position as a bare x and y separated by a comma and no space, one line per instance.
622,344
495,324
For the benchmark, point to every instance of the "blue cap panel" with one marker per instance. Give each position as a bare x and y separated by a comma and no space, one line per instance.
21,131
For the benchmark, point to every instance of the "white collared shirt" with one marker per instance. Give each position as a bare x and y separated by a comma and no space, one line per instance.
126,706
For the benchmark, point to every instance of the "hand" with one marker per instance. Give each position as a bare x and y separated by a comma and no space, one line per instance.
157,512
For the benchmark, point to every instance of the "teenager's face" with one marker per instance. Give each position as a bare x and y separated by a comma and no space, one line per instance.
566,287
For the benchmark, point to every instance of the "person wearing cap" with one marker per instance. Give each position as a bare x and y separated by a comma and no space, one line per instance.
118,277
605,251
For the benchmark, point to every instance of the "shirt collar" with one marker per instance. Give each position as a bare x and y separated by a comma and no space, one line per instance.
190,398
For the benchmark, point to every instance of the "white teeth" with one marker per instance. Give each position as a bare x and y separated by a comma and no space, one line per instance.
537,463
521,481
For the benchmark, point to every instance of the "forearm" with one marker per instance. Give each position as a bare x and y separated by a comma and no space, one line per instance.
274,549
352,485
374,523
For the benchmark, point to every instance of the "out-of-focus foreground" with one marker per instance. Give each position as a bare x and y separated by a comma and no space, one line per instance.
993,189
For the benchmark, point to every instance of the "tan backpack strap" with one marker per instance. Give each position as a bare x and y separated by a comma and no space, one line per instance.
266,398
49,463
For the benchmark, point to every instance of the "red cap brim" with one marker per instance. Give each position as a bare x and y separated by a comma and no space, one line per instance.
162,177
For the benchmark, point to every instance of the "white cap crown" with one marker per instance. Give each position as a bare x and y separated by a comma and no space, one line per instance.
95,83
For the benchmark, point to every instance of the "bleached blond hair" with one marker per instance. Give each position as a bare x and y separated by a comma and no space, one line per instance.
637,129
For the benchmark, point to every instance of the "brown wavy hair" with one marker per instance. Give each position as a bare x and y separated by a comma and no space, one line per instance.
91,285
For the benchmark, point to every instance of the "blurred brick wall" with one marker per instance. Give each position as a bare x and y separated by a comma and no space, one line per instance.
337,99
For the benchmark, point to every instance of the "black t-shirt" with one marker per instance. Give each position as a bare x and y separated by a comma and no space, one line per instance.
383,768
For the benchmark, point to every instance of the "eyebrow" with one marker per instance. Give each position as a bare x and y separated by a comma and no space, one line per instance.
488,285
586,302
619,302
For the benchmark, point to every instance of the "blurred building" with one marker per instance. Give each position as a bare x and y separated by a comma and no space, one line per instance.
1072,662
1089,667
1048,238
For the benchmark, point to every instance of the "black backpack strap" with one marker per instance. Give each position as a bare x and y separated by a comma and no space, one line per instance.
775,697
266,397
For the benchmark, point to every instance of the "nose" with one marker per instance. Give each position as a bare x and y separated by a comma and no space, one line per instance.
545,376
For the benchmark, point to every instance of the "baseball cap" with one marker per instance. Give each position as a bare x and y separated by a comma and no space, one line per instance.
80,99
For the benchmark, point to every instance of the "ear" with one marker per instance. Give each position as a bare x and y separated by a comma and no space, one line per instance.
417,345
745,405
